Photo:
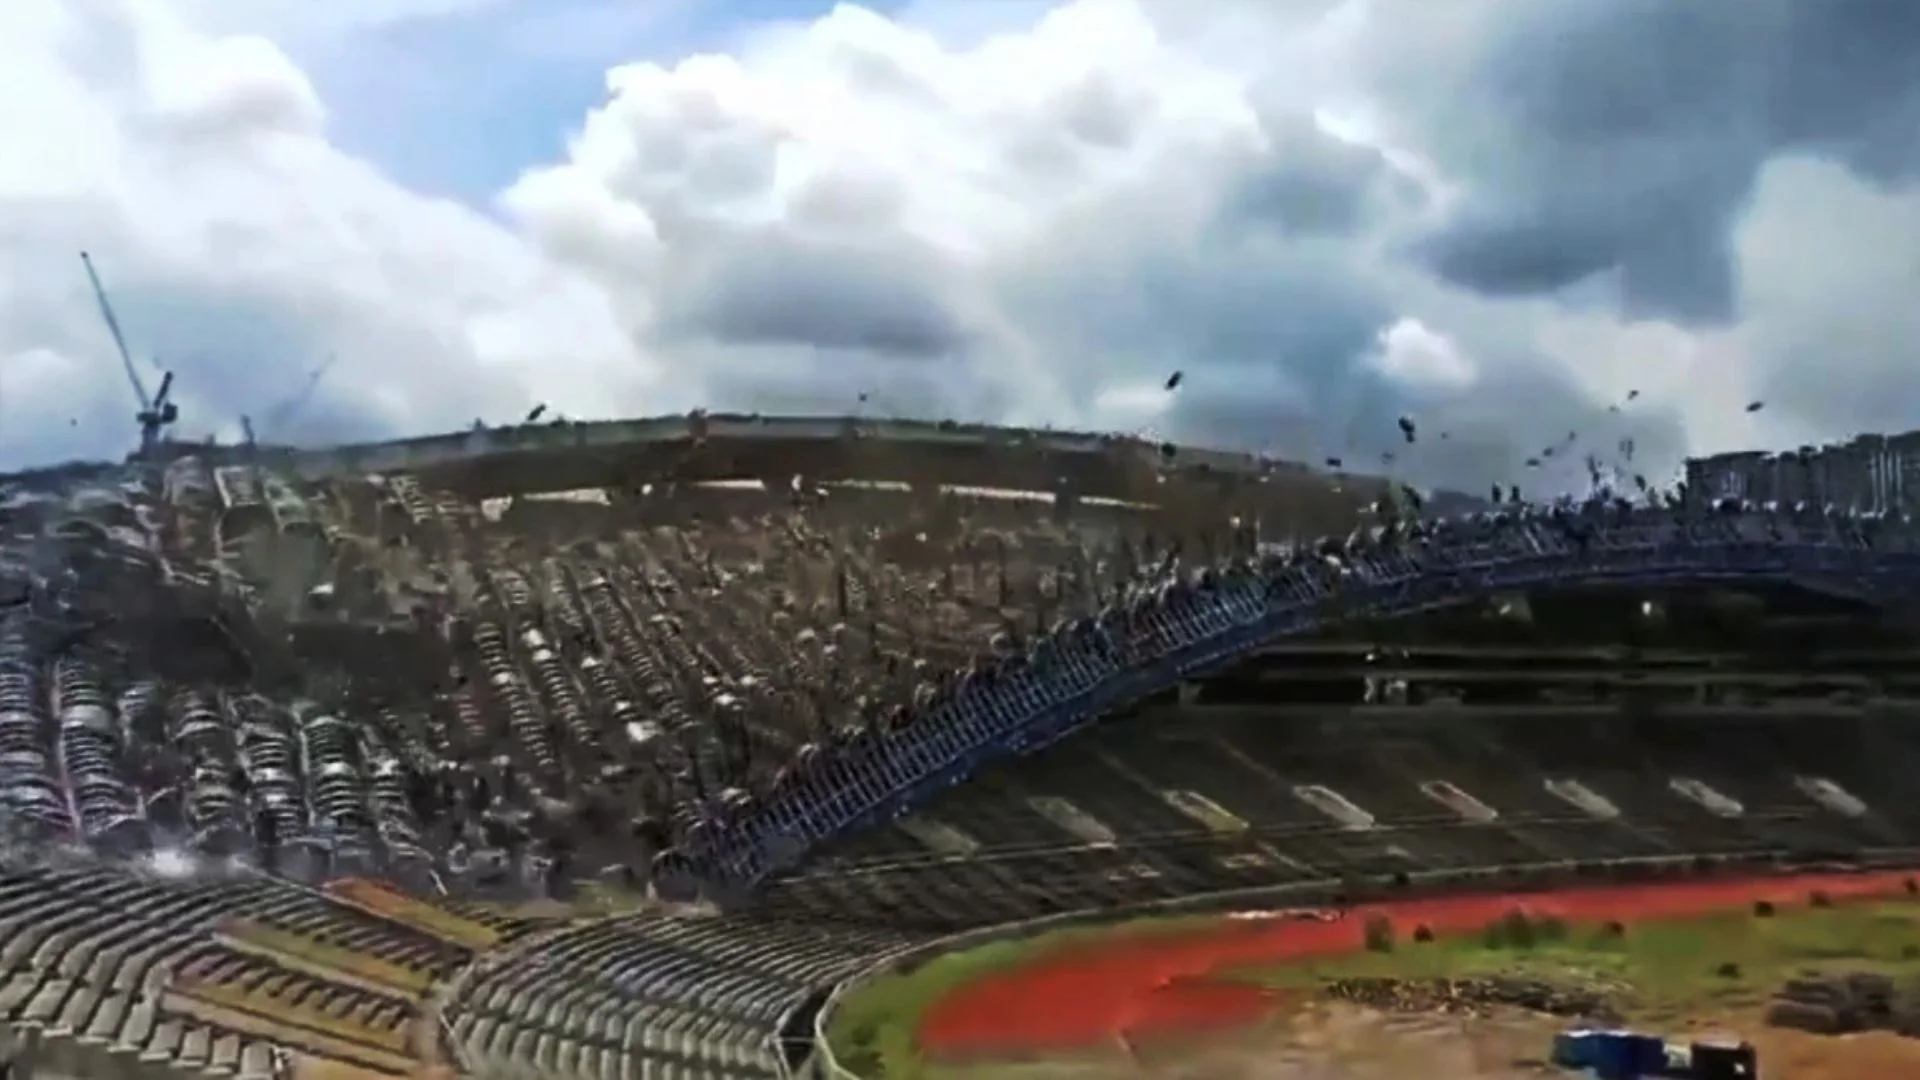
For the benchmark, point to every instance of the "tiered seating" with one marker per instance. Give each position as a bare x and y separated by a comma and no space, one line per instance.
215,973
254,998
1148,644
1637,781
1514,784
663,663
505,701
782,663
1121,837
653,996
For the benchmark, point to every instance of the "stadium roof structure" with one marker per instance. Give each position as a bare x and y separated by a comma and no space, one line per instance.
701,447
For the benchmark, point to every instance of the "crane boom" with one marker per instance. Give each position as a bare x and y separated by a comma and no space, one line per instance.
119,339
285,410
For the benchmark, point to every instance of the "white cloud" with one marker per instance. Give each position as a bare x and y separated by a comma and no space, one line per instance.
232,87
242,247
999,210
1412,352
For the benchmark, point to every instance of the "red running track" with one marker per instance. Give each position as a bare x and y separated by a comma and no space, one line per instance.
1163,982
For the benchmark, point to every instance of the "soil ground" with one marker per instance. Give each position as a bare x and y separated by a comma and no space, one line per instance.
1242,996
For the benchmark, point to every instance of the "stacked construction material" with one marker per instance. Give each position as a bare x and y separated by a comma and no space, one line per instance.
1839,1004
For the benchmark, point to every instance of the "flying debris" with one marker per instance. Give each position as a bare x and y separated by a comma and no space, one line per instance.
1407,430
1632,394
1755,406
1336,463
1533,463
1174,380
535,413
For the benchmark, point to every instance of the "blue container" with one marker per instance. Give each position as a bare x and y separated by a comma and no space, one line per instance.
1612,1056
1628,1055
1575,1049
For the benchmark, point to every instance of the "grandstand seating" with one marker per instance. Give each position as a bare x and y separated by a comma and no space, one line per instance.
208,972
1168,804
337,737
1086,670
649,995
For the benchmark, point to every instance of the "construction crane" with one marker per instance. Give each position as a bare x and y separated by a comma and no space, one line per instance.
294,402
157,411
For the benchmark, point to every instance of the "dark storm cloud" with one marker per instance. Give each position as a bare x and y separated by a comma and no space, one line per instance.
1308,183
1623,137
819,383
1279,331
1848,85
766,287
1468,438
1491,441
1221,295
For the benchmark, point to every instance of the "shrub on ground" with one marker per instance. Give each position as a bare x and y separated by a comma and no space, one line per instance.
1379,933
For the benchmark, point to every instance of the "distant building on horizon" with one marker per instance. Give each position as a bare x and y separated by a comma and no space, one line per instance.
1871,473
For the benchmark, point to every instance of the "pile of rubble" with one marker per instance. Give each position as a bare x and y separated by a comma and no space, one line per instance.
1840,1004
1472,996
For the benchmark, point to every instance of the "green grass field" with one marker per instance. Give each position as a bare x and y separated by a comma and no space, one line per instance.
1657,972
1663,969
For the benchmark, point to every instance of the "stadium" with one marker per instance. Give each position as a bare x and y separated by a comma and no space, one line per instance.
626,750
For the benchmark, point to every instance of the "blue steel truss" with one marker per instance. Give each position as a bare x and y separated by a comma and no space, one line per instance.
1073,678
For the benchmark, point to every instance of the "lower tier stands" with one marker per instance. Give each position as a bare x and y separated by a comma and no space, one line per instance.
125,970
162,969
117,969
1205,799
656,997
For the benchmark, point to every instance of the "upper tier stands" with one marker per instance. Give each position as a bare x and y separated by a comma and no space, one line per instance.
374,675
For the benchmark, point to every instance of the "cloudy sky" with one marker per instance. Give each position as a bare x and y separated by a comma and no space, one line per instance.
1499,216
